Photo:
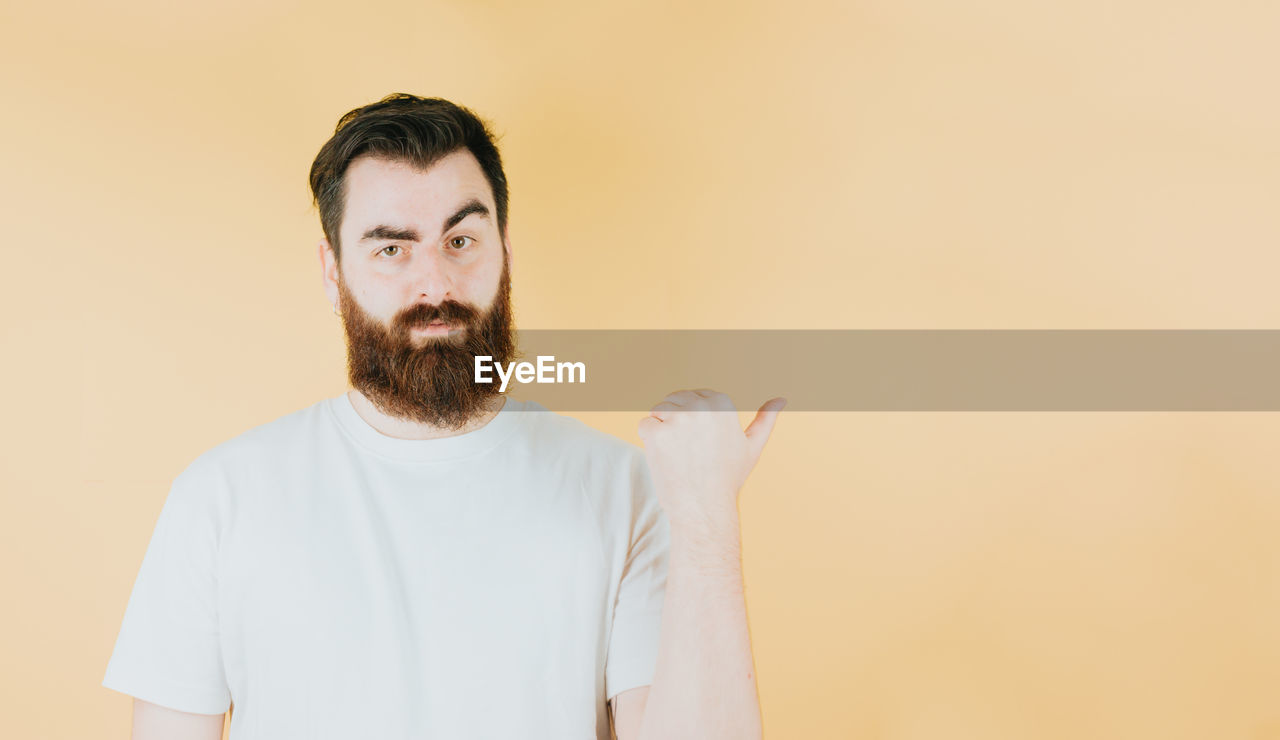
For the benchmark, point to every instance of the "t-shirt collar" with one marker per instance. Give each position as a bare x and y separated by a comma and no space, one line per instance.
507,420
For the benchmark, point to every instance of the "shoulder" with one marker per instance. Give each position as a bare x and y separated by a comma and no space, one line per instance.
259,445
612,471
566,435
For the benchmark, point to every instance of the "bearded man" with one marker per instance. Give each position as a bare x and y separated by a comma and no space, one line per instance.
423,556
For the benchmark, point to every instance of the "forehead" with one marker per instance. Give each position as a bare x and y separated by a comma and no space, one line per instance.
384,191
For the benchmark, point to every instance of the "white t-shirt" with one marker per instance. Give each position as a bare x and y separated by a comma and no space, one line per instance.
335,582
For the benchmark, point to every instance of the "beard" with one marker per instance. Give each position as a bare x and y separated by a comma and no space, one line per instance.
428,378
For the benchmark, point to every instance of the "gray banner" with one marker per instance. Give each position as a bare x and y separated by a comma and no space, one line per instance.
906,370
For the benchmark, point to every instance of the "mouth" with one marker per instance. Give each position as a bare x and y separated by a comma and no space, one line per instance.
435,327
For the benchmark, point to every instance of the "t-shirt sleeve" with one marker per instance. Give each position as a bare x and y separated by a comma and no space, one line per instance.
167,651
637,613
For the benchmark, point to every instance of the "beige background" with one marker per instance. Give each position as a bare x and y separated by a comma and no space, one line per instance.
800,164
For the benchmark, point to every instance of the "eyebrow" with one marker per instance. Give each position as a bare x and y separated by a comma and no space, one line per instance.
384,232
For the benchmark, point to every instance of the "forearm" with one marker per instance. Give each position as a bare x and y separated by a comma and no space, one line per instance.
704,682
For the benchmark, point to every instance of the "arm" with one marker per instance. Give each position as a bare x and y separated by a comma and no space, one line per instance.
167,657
704,682
625,711
154,722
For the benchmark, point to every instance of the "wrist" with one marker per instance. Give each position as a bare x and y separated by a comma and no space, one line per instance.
701,524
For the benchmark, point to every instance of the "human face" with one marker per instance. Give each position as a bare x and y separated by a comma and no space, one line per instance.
421,256
418,251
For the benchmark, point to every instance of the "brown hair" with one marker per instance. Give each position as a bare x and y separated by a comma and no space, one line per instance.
407,128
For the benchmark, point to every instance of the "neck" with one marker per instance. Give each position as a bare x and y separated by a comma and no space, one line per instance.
398,428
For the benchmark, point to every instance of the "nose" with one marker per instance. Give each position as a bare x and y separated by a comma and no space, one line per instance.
433,276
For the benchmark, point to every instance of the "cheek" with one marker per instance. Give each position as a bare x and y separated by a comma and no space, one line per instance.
381,309
376,296
485,288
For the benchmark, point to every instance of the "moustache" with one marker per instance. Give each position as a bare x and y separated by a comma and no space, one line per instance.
419,316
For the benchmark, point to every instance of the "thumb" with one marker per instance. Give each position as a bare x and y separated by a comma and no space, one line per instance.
761,427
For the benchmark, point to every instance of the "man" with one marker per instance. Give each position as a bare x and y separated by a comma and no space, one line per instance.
422,556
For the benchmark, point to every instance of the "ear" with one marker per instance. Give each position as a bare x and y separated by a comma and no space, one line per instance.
506,245
328,270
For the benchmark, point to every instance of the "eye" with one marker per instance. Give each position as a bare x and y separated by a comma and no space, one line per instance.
456,238
392,246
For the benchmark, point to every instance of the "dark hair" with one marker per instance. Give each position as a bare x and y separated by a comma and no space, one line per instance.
408,128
